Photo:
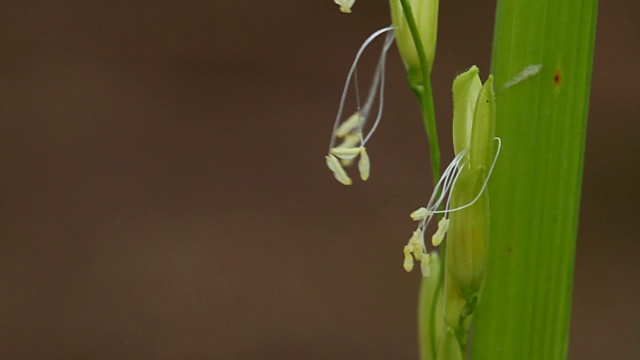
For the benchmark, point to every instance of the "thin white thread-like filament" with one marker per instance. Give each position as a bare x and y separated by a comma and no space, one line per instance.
380,74
484,185
348,81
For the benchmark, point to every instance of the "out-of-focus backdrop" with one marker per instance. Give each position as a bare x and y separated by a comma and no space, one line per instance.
163,192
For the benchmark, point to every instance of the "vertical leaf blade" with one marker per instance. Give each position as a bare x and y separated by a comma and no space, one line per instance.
535,189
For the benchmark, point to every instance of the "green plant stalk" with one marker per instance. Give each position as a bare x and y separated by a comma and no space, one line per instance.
535,189
430,309
425,98
426,309
424,94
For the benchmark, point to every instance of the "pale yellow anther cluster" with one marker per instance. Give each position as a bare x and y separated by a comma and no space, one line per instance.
348,133
424,215
411,252
348,151
415,248
345,5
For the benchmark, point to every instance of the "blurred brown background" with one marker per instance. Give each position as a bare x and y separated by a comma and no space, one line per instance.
163,193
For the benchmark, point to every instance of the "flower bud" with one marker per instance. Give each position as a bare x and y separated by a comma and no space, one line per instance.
474,117
425,14
466,88
468,233
484,127
473,135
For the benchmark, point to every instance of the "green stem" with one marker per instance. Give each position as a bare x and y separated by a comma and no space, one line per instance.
424,94
425,97
432,318
429,304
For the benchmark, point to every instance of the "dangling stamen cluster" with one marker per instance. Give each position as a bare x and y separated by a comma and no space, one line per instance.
351,130
443,190
423,215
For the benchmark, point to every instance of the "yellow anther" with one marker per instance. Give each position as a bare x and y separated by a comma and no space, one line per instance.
350,141
364,167
425,265
437,238
415,244
349,125
346,163
345,5
408,259
420,214
346,153
418,254
338,172
410,247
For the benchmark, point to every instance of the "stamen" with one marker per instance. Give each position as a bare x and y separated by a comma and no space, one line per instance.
420,214
425,266
347,162
443,225
338,171
349,76
444,184
354,125
408,259
417,243
346,153
364,166
380,75
351,140
484,185
425,214
349,125
440,192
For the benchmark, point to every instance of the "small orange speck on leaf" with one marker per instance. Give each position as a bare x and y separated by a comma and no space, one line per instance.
557,78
